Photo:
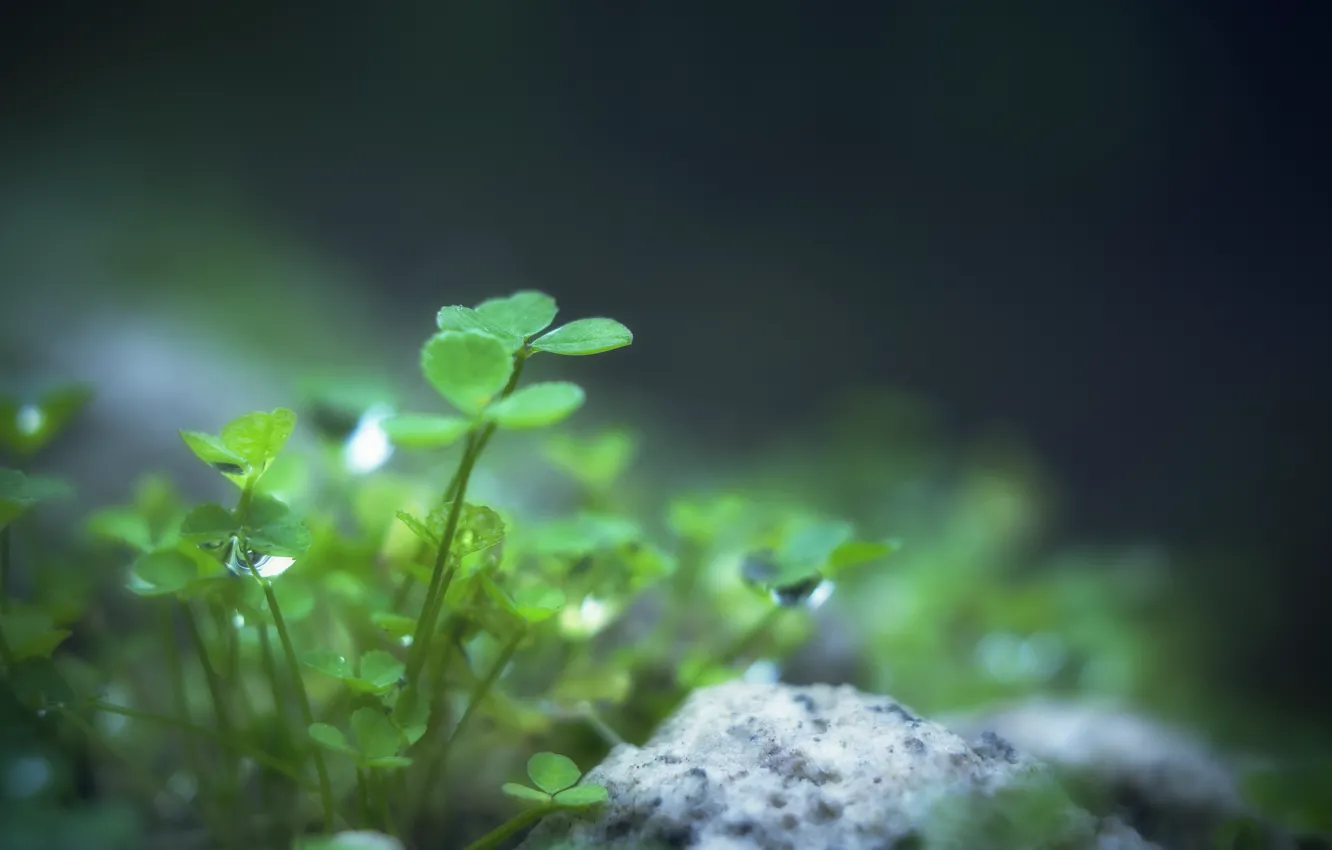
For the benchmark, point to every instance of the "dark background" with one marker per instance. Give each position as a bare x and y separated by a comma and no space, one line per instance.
1104,223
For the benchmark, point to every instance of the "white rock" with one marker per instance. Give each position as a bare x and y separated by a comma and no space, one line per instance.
777,767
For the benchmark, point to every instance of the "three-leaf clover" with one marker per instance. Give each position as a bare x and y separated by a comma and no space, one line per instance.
556,780
377,740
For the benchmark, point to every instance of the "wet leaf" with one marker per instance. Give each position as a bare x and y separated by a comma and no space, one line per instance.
456,318
272,528
380,669
329,663
411,714
213,451
165,572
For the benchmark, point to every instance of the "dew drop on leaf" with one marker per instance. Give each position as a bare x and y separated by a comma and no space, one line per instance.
240,559
801,592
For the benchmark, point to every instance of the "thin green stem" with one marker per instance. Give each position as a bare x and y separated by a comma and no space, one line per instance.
6,653
362,800
4,568
385,810
221,715
478,697
302,698
441,575
496,836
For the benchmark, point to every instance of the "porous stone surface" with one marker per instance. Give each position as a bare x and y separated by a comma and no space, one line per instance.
744,766
1168,784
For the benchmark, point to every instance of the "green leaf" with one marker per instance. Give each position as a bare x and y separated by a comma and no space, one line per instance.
536,603
329,663
31,633
376,736
213,451
331,738
258,437
582,796
380,669
19,492
468,368
853,553
411,714
424,431
807,549
479,528
524,793
396,625
598,461
585,336
165,572
272,528
522,314
121,525
455,318
552,772
585,532
208,523
537,406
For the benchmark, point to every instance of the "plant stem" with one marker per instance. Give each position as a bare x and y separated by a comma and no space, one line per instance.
4,568
362,800
522,821
223,718
302,698
478,696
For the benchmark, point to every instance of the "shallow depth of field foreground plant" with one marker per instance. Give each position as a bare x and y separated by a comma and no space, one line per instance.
335,651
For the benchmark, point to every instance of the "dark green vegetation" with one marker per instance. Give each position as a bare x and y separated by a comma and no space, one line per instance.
340,647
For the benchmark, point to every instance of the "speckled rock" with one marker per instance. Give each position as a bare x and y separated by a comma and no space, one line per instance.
1169,785
746,766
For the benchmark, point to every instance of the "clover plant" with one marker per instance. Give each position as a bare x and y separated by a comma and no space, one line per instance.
333,638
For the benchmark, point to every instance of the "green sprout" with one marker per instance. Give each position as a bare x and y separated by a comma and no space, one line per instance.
554,788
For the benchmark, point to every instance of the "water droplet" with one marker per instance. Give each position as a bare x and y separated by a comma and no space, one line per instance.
228,468
368,447
238,620
590,617
405,640
240,558
799,592
26,776
30,419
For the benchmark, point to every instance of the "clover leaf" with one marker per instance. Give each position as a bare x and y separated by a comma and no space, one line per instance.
425,431
537,405
468,368
583,337
378,672
479,528
247,445
523,314
556,780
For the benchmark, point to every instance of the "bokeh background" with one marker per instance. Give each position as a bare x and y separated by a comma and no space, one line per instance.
1101,226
